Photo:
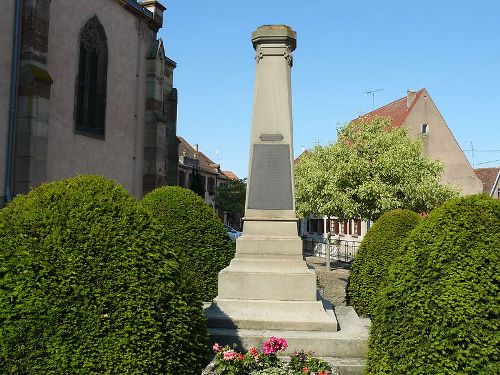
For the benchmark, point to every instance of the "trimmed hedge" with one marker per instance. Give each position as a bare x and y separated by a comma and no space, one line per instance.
89,283
195,229
380,248
441,311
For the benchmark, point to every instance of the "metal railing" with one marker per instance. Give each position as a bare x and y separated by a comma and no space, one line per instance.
340,250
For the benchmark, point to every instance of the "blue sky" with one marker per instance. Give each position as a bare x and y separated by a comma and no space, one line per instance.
344,48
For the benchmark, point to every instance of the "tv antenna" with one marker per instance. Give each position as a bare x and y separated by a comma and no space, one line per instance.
372,93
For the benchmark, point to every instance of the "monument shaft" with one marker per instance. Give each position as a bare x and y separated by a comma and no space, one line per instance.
270,185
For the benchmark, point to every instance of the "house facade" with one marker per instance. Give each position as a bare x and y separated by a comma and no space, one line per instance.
89,90
418,113
490,177
191,161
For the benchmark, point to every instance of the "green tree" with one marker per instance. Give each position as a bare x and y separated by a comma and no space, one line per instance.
371,169
440,312
90,283
196,184
230,197
380,248
194,228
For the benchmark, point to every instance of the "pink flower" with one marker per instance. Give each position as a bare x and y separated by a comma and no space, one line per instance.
229,355
305,370
217,348
274,345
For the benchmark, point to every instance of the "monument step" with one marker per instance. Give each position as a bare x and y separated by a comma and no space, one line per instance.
279,265
271,315
344,366
347,366
322,344
349,342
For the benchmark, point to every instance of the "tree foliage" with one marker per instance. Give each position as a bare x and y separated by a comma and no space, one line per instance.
371,169
90,283
440,313
194,228
230,197
380,248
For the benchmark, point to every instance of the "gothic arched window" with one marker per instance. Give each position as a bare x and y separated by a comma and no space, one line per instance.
91,79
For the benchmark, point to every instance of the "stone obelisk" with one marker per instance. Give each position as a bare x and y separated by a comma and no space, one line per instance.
268,285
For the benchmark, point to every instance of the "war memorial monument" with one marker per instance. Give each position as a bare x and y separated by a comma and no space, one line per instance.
268,289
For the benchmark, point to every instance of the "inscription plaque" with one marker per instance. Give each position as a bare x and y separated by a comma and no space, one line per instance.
271,137
270,178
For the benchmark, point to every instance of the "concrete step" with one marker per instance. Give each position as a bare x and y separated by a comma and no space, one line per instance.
347,366
349,342
257,315
343,366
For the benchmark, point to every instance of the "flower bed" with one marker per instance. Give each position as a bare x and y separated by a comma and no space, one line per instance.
229,361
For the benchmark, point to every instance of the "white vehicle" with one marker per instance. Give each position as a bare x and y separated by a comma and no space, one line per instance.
233,233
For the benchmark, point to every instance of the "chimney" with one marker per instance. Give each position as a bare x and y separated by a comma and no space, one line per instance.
157,9
410,97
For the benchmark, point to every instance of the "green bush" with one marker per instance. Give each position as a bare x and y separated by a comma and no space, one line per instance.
440,313
195,229
89,283
380,248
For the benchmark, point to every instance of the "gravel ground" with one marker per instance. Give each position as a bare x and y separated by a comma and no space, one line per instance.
331,284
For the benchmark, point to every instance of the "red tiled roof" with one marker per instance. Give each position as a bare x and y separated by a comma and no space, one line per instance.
230,175
296,160
398,110
205,163
488,177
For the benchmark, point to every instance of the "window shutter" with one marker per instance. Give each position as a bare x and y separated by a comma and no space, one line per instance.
321,226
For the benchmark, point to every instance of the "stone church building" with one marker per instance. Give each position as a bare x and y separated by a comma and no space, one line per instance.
86,88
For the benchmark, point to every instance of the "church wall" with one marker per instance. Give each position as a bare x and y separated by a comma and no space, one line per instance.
120,154
6,38
440,144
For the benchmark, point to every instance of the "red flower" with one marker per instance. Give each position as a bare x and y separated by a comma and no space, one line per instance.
305,370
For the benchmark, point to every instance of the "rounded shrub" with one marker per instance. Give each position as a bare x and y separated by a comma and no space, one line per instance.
380,248
440,313
194,228
89,283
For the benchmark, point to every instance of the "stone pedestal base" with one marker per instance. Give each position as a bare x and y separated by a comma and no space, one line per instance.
268,285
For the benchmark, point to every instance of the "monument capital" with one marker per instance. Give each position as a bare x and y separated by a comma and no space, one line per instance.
274,34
